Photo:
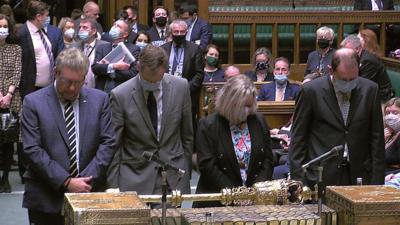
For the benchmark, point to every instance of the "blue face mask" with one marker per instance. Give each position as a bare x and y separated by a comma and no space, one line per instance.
141,45
83,35
345,86
114,32
280,79
149,86
46,22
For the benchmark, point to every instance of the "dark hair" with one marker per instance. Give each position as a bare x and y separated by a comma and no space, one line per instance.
36,7
133,9
144,33
121,15
190,8
214,47
11,38
90,20
160,7
393,101
284,59
76,13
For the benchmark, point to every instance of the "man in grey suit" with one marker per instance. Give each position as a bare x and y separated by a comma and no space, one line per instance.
68,140
152,113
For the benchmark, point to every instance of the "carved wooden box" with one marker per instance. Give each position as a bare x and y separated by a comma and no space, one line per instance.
105,208
365,205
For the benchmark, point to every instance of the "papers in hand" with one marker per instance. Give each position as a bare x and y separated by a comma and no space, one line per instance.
118,53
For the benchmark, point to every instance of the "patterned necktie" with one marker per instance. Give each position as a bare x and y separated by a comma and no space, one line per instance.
87,50
152,107
71,132
49,54
345,106
379,4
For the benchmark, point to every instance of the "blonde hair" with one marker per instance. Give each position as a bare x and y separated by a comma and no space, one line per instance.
232,98
370,42
325,32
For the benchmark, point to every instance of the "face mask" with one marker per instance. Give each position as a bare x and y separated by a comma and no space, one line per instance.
261,66
280,79
3,33
83,35
46,22
69,33
141,45
323,43
392,121
114,32
212,61
149,86
161,21
345,86
178,39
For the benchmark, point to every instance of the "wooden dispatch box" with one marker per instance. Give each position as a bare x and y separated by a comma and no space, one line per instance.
365,205
105,209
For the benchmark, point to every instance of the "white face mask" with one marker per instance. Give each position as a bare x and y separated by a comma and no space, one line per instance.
69,33
3,33
392,121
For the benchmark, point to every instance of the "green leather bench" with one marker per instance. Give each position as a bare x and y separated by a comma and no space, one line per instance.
394,77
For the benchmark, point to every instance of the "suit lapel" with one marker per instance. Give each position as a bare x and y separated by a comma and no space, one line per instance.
82,116
166,102
355,99
227,143
138,97
331,100
54,105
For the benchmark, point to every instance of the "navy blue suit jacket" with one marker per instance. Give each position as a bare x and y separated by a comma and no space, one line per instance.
366,5
202,31
119,76
28,73
46,149
267,92
155,37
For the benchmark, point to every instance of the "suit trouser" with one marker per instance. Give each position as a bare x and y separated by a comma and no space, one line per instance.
41,218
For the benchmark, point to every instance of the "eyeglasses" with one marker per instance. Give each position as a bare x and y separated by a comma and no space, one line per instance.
70,82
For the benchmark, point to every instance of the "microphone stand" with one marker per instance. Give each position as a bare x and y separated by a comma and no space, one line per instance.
164,187
320,169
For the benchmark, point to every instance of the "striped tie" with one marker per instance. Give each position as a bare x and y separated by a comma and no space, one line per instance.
71,132
49,54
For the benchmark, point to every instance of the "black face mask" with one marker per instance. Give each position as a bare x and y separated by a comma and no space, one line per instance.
323,43
261,65
178,39
161,21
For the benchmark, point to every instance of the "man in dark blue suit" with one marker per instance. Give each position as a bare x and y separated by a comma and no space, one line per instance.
71,151
199,30
37,68
158,32
281,89
373,5
109,75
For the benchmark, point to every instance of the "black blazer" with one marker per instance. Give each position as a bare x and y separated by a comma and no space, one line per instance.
373,69
155,36
318,126
100,70
28,73
193,64
217,160
366,5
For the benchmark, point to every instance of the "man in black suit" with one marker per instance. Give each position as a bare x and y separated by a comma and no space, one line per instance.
109,75
199,30
185,60
373,5
39,49
370,67
134,25
343,109
158,33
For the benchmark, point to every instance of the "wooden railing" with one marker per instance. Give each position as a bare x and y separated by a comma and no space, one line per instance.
298,18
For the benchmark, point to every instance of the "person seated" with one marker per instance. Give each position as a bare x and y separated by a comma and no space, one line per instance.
262,66
212,70
233,144
231,71
67,26
369,42
142,39
319,60
281,89
392,134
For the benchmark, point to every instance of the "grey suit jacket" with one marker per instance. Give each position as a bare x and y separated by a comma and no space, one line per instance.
45,143
135,134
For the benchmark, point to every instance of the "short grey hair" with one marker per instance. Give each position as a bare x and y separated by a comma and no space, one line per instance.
232,97
263,51
351,41
325,32
153,57
73,59
178,22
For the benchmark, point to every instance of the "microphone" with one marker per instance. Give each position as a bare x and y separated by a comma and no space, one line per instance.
150,156
293,5
333,152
